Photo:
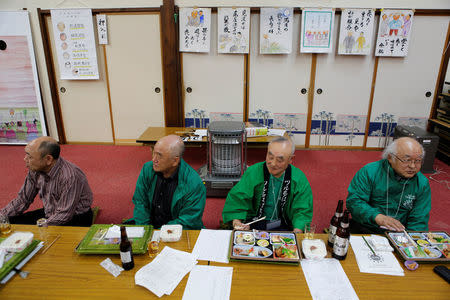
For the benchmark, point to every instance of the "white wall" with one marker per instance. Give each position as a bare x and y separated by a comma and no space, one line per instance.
32,5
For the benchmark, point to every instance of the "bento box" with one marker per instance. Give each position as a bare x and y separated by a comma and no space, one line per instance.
265,246
424,246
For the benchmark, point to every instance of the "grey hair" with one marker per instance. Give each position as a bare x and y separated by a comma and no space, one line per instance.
282,139
49,147
391,149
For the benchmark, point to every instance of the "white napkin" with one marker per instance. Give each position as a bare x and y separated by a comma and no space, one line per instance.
380,243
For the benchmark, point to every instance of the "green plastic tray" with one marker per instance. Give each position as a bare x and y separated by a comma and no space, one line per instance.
94,243
17,258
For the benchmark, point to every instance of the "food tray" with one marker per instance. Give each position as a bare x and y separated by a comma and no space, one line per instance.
94,242
265,246
434,246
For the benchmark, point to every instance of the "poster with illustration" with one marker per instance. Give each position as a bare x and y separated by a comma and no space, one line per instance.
394,32
276,30
356,31
317,29
21,111
73,35
195,29
233,29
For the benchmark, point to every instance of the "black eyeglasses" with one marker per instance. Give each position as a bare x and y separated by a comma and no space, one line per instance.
409,161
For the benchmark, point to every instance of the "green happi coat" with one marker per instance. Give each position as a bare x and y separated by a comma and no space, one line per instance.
245,197
188,200
367,195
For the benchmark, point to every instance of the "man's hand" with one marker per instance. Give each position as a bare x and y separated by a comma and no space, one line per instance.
389,222
296,230
238,225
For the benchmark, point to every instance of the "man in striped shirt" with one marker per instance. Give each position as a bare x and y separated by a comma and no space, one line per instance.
62,187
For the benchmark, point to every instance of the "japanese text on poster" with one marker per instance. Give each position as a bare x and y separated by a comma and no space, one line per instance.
394,32
195,28
356,31
233,30
317,29
102,30
276,30
73,33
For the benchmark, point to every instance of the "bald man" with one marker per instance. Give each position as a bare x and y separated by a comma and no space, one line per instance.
391,193
168,190
62,187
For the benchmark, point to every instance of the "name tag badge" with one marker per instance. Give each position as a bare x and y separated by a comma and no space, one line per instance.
273,224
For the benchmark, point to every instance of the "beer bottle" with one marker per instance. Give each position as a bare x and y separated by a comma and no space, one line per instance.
341,240
126,252
334,223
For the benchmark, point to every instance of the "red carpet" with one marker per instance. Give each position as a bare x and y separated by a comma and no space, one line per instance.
112,172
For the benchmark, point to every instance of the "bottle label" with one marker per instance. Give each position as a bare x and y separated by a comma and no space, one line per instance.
332,233
125,256
340,246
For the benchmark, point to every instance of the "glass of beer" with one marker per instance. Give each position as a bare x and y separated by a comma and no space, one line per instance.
5,227
43,229
310,229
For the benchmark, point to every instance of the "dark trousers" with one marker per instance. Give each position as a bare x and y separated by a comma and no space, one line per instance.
84,220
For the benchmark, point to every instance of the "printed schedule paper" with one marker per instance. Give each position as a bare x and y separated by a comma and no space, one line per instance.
327,279
208,282
213,245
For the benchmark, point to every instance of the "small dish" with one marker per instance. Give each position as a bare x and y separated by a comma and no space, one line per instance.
411,265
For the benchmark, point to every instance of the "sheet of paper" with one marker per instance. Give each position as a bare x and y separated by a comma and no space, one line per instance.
327,280
213,245
386,263
132,232
276,132
208,282
165,272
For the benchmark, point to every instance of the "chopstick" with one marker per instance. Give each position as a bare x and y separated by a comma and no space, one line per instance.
369,245
188,242
414,243
260,219
45,250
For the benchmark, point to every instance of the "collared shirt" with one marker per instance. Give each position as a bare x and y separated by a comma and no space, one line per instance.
162,199
64,191
272,207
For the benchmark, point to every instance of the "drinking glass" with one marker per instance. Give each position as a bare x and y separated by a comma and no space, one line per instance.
310,229
43,229
5,226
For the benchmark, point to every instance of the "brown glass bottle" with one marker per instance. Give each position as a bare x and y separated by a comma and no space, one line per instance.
126,252
334,223
340,246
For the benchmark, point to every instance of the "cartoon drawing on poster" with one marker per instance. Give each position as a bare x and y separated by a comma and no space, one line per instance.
233,30
21,111
394,32
73,35
195,29
355,35
317,29
276,30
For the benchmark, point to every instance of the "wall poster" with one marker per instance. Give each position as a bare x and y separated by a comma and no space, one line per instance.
233,29
21,110
316,31
394,32
73,34
356,31
195,29
275,28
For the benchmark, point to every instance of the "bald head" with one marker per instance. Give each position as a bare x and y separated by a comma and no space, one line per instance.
405,155
41,154
404,145
46,145
174,144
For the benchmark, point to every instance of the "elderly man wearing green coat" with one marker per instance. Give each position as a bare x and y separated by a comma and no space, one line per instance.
273,189
391,193
168,190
